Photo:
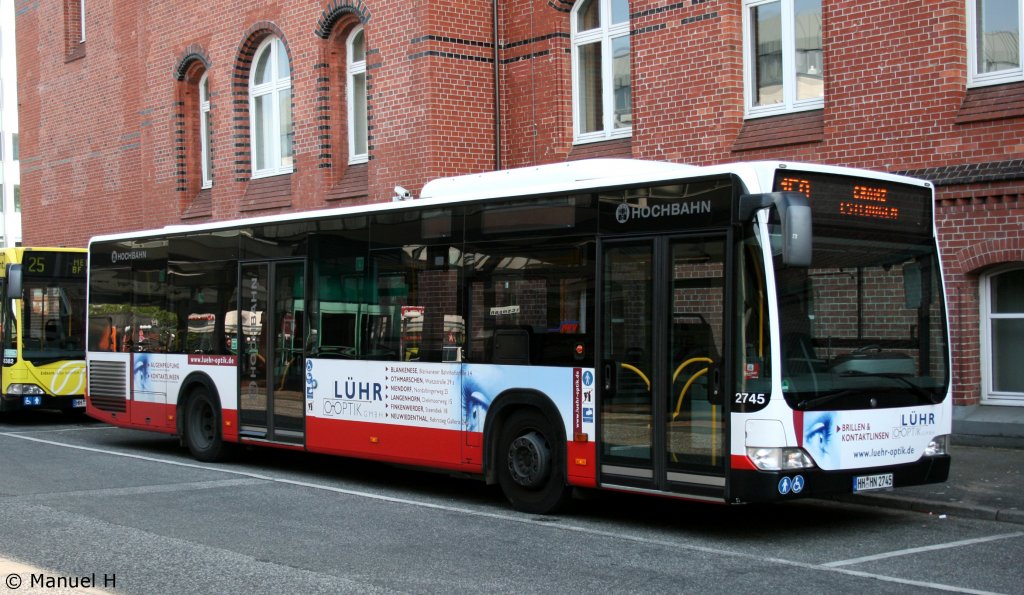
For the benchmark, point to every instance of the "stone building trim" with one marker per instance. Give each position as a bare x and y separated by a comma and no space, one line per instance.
190,56
336,11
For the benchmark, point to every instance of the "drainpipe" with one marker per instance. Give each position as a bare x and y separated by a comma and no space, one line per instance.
497,89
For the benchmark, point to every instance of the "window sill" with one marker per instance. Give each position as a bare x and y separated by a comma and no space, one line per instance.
75,52
776,131
997,102
616,147
268,192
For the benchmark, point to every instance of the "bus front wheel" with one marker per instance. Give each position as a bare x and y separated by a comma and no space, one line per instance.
529,469
202,427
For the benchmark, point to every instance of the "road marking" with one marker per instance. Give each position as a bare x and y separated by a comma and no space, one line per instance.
527,520
56,430
926,548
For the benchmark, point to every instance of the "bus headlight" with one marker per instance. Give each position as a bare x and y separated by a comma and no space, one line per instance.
25,389
779,459
936,447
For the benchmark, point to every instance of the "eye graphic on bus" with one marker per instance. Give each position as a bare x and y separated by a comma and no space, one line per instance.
818,437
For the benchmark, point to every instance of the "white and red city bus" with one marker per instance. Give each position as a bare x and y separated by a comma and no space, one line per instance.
733,333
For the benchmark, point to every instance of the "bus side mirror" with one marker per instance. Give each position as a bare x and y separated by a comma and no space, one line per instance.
795,214
14,281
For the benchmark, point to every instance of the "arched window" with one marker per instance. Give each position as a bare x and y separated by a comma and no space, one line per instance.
1002,330
356,96
602,97
270,110
205,131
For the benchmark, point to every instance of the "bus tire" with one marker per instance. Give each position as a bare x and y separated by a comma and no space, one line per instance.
530,469
202,427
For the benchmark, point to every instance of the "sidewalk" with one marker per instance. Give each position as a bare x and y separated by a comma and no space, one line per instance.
985,482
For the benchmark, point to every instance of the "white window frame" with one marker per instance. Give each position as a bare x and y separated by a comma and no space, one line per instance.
988,395
354,68
81,21
790,103
979,79
605,34
204,137
274,151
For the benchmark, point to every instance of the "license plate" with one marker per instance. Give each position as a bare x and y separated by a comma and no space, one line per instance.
78,403
863,483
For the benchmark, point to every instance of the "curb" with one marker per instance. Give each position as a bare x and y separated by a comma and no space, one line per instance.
959,509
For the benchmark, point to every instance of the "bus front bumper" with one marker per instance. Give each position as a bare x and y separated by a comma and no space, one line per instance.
27,402
762,486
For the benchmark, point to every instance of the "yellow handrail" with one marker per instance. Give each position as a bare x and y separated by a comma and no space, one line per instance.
639,373
688,362
686,387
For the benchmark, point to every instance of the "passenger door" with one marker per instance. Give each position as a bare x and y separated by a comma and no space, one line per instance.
660,389
271,383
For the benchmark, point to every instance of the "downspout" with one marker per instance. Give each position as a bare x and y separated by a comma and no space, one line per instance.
497,89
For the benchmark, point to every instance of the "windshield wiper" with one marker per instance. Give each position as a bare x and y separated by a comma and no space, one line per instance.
917,390
49,359
826,398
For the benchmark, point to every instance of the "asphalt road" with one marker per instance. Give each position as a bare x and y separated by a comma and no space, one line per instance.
79,499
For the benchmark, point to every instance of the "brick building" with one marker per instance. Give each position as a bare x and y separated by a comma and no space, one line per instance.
137,115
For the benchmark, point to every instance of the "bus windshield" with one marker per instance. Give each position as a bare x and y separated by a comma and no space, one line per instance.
863,326
53,319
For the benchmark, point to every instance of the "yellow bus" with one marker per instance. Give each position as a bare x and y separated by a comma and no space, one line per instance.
42,328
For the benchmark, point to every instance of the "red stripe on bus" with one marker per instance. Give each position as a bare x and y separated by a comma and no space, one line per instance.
741,462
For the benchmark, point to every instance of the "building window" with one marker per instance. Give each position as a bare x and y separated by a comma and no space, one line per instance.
356,98
15,147
1002,330
270,110
602,97
205,130
994,45
783,63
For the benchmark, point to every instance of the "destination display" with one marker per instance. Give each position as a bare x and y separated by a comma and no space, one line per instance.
53,264
842,201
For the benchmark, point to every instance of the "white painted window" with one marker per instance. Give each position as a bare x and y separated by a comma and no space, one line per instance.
782,58
356,96
205,130
1002,336
270,110
602,96
81,19
993,41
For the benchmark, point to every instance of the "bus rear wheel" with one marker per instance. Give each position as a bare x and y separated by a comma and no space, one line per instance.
202,427
530,471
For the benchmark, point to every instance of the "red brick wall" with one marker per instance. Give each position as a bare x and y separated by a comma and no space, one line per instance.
101,123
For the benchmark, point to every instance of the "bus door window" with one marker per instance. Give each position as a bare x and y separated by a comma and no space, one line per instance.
694,424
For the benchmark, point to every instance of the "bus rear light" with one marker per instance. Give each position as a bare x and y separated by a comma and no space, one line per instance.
581,437
779,459
25,389
582,462
937,446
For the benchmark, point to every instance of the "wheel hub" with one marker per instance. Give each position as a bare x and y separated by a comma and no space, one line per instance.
529,460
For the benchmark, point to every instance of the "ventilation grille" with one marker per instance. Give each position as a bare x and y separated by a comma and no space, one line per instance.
108,383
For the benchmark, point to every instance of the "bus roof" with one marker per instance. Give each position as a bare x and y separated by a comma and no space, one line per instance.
553,178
